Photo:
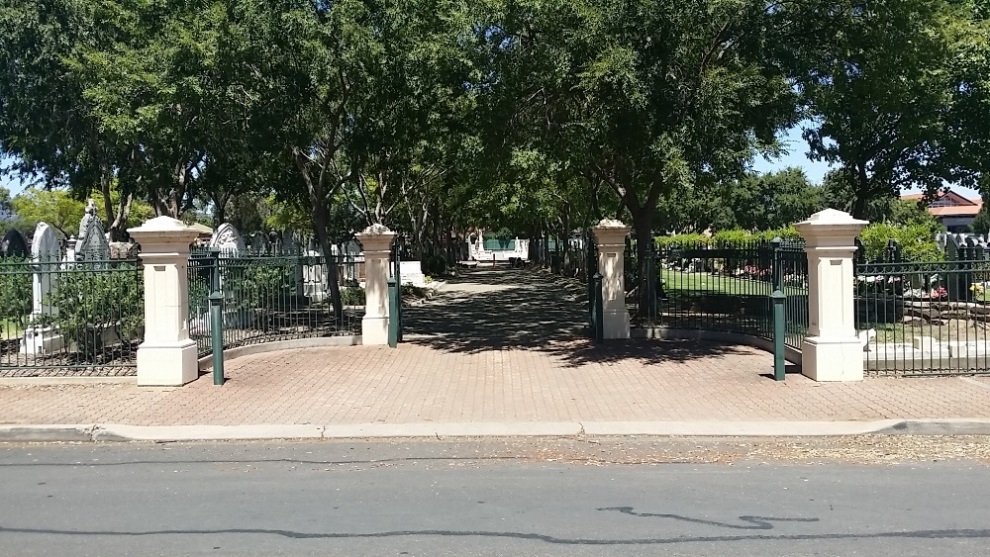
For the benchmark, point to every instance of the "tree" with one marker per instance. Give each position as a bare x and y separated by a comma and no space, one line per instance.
62,211
878,91
646,96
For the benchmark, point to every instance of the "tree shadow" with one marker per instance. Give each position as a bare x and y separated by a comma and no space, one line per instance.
499,309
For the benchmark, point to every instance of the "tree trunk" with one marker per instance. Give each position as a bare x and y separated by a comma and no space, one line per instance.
643,229
117,229
320,226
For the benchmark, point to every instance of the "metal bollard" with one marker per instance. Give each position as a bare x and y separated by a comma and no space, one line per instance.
779,332
599,309
216,318
393,311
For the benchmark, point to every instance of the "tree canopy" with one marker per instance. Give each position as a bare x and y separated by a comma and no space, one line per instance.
543,116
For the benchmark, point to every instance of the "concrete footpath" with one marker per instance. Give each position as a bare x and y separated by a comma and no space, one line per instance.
636,388
496,354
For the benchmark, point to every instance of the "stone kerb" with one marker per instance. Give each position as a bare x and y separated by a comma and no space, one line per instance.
610,235
167,357
377,243
832,350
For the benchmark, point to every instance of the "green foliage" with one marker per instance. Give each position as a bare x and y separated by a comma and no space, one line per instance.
16,291
729,237
266,283
94,302
352,296
917,242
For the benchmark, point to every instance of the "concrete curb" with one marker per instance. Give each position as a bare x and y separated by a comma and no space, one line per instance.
125,433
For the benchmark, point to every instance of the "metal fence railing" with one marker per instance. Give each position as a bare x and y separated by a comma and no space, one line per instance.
723,288
924,318
60,318
272,297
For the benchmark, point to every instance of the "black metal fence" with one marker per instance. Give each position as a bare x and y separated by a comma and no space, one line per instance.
926,318
267,298
723,288
64,318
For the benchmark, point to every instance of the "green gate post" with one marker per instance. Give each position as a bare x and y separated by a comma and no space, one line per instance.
779,299
393,308
216,317
598,315
398,283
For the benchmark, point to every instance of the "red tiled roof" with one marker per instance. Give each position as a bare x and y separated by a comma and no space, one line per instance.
966,207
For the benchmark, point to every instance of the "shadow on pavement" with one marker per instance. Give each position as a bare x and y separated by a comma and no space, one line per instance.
529,309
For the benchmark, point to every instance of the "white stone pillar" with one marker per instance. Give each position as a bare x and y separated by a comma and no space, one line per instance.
377,243
610,236
832,351
167,357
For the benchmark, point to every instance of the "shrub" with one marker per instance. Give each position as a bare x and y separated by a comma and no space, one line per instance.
16,292
352,296
93,301
917,242
258,283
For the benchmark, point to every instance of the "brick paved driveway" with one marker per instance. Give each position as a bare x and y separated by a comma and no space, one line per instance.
499,368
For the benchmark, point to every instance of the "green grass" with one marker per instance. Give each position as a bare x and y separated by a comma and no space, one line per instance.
720,284
10,329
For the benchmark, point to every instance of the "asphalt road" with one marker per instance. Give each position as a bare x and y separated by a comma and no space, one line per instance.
533,498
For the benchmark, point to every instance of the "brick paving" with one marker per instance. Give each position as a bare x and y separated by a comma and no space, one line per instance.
495,368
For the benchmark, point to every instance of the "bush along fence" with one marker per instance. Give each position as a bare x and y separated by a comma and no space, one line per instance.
69,310
264,299
926,318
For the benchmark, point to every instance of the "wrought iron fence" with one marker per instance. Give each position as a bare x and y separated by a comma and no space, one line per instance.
924,318
269,298
70,318
724,288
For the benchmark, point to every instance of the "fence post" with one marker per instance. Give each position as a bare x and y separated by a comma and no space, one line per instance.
216,317
610,236
377,242
396,310
779,299
832,350
167,357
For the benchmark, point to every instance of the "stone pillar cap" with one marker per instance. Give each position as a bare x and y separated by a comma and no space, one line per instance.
376,230
830,217
164,228
612,224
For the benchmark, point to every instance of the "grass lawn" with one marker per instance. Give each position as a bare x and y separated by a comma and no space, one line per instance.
707,282
10,330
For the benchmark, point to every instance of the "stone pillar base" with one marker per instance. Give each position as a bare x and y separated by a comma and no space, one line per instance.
40,342
616,324
167,366
830,360
374,331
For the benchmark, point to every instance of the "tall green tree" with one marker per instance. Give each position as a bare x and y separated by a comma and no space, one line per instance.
642,95
878,88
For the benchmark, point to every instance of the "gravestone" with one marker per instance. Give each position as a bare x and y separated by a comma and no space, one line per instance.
41,338
228,240
14,245
92,244
260,244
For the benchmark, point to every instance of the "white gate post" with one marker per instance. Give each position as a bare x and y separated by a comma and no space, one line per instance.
377,243
610,235
167,357
832,350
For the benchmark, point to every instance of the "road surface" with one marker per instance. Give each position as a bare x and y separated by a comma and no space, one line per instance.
535,497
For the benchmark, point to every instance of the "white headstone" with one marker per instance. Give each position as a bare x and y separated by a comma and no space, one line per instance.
92,244
45,258
228,240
